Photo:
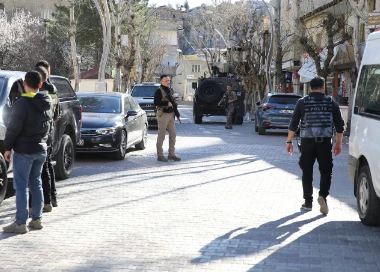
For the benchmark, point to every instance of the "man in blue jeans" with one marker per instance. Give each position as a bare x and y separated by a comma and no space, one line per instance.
27,133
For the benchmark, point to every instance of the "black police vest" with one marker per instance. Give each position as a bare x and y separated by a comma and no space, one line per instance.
317,121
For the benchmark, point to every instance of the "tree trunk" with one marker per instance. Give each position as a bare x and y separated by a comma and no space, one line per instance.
74,46
280,78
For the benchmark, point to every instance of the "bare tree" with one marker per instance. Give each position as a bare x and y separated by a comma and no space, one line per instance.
118,16
153,50
74,45
22,41
331,26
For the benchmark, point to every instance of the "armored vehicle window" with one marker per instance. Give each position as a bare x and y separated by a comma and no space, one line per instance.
368,90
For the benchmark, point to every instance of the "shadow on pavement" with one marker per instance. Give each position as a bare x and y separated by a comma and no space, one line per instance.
328,247
243,241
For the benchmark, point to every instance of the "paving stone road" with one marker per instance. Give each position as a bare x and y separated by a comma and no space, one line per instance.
231,204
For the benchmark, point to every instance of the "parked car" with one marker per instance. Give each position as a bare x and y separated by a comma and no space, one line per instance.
364,145
112,122
275,111
66,132
144,95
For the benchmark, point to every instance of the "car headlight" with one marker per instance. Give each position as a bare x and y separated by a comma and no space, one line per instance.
106,131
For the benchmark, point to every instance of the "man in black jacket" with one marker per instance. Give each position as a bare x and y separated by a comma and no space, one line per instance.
166,109
27,133
48,174
318,114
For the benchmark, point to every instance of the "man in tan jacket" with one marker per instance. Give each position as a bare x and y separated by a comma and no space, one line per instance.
166,109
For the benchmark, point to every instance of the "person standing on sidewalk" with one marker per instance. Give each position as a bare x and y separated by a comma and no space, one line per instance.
230,100
319,114
48,174
166,109
26,134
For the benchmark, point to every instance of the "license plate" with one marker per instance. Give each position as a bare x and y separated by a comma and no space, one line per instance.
81,142
286,111
151,114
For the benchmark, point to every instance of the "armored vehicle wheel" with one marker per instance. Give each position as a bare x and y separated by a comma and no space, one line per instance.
209,91
198,119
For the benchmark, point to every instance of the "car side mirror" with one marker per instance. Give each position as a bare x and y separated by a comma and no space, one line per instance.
131,113
356,110
194,85
258,103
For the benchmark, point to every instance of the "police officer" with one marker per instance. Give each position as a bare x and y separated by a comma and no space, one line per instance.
319,114
230,99
166,109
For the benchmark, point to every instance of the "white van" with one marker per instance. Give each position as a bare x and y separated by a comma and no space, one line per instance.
364,149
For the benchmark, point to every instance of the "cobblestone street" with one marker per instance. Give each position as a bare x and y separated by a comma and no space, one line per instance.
231,204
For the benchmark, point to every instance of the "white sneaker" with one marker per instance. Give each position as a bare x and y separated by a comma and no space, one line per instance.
322,202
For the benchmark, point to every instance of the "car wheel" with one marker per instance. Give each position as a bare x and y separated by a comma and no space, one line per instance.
142,145
256,127
261,130
239,120
3,178
120,154
367,201
198,119
65,158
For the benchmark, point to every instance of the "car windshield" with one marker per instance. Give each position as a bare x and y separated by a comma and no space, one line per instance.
100,104
283,99
144,91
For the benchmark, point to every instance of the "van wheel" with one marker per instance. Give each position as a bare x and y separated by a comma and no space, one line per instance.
367,201
65,158
256,127
3,178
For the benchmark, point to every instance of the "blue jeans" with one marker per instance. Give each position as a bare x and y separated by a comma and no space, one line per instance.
27,171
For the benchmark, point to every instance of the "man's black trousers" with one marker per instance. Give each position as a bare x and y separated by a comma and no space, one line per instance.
321,149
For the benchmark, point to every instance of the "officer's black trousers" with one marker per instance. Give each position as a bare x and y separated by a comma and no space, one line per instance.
320,149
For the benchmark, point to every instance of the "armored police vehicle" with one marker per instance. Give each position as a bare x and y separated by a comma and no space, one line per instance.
209,91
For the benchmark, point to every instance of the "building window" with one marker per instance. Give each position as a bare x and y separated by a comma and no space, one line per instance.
46,14
173,16
195,68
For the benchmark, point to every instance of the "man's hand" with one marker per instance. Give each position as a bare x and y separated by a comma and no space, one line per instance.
289,148
8,156
337,149
170,104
